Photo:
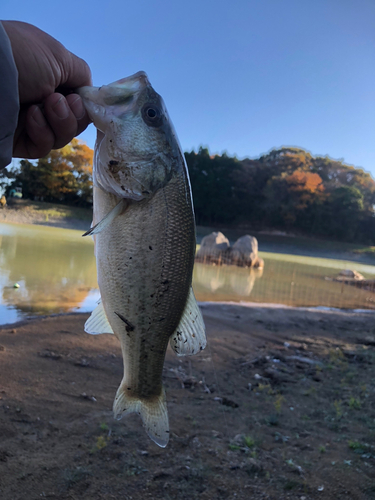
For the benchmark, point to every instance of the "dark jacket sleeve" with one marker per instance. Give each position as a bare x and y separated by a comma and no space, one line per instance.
9,102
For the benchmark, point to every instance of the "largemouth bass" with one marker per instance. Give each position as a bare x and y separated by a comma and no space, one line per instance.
144,233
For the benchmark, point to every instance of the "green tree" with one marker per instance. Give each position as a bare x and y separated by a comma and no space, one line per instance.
214,192
344,211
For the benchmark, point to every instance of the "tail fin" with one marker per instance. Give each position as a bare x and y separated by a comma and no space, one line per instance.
153,412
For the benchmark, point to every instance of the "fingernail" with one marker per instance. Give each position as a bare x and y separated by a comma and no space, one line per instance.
61,108
78,108
38,117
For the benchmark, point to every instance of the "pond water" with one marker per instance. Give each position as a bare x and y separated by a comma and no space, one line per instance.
55,269
56,272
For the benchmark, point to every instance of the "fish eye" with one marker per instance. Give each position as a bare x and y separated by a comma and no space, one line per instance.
152,115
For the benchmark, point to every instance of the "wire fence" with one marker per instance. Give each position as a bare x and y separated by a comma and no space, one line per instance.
288,279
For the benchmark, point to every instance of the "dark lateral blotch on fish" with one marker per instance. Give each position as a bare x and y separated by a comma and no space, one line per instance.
129,327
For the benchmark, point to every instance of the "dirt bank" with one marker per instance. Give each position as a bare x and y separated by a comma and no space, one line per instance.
279,405
46,214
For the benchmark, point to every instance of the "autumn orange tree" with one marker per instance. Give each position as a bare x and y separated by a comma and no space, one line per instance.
289,195
64,175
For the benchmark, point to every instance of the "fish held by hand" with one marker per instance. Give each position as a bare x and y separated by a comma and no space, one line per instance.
144,234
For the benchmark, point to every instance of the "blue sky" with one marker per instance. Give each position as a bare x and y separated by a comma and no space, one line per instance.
243,76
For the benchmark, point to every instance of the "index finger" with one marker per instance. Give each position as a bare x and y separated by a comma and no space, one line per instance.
77,74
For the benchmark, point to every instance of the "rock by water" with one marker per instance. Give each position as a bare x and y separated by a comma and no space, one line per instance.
215,249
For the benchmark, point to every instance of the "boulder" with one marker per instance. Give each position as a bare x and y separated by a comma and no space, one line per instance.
245,252
350,274
213,247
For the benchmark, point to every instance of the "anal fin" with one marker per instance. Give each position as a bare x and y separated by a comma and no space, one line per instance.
190,335
98,322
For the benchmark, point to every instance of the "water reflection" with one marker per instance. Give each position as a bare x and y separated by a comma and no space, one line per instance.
285,279
225,279
55,269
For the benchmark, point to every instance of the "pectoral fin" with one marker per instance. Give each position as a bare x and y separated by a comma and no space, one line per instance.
98,322
107,219
190,335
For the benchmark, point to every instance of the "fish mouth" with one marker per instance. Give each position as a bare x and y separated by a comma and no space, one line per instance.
116,98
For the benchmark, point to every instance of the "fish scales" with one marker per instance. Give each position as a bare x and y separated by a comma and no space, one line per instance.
144,233
152,285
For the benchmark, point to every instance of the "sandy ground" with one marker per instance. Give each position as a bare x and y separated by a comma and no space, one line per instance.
281,404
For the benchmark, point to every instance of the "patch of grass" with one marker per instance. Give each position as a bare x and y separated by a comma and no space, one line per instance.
55,210
358,447
366,250
354,404
104,427
322,449
349,378
338,409
101,442
266,388
249,442
337,358
234,447
278,403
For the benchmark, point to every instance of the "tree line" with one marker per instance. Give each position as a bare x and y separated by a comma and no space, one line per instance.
285,189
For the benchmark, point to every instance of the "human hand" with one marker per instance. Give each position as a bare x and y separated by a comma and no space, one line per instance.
47,72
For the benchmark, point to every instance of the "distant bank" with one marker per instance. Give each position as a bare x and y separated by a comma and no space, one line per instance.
19,211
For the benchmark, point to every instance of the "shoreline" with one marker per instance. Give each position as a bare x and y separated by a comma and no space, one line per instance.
46,214
206,305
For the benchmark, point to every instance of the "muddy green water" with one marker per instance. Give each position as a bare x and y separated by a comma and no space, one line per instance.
55,270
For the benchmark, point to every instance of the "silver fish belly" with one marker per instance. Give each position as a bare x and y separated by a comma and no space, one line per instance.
144,247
